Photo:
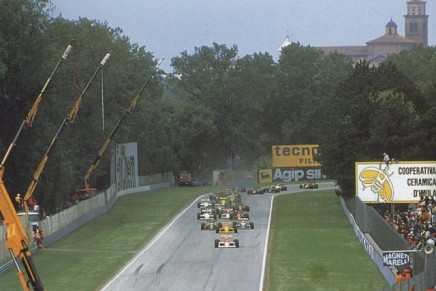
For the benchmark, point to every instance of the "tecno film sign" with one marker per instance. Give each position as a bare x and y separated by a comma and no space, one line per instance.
402,182
286,156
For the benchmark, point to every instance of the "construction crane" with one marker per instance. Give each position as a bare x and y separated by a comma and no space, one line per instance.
28,120
68,119
17,240
107,141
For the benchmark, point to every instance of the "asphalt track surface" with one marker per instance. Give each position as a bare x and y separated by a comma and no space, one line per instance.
183,257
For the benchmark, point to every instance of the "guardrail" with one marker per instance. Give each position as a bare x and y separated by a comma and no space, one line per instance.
61,224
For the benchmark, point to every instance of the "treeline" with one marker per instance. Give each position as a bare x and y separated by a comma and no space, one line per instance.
216,110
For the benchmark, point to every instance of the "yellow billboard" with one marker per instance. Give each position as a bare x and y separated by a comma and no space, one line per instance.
265,176
287,156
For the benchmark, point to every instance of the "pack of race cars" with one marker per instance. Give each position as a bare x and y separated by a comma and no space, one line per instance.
225,213
267,189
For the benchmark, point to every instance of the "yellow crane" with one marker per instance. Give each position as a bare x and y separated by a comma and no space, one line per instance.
17,240
68,119
107,141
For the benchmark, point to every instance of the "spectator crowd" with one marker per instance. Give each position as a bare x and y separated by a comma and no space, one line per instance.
416,224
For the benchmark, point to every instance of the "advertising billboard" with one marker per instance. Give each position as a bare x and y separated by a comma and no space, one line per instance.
287,156
401,182
265,176
126,165
296,174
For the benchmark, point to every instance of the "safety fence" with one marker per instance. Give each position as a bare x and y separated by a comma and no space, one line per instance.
61,224
377,235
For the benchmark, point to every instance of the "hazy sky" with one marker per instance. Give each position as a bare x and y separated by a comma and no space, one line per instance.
168,27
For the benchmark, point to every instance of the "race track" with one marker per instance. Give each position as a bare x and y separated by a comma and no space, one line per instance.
183,257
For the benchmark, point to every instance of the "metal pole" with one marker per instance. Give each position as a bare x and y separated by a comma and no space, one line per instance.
102,98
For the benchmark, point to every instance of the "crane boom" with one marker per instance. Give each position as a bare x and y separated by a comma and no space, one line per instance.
106,143
32,113
17,240
68,119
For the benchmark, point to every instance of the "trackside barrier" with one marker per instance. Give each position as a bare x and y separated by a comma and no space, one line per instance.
371,248
377,235
61,224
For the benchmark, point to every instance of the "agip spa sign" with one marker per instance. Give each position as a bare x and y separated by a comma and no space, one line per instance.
402,182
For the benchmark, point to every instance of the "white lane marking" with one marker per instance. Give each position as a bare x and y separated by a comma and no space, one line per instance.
262,275
150,244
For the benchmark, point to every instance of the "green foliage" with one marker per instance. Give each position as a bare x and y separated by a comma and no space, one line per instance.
234,93
29,58
306,82
217,110
374,111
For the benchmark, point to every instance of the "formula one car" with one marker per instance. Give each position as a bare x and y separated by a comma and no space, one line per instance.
210,209
310,185
239,206
205,203
211,224
282,187
206,215
238,215
255,190
225,213
225,197
226,241
244,224
226,227
273,189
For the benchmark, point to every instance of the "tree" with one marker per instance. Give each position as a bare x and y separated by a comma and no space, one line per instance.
372,113
306,82
234,92
206,79
22,55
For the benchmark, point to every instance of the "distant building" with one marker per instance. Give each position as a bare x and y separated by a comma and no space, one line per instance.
376,50
285,43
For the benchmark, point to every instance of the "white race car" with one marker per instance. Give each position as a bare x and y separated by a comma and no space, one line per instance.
226,241
244,224
205,203
226,213
206,216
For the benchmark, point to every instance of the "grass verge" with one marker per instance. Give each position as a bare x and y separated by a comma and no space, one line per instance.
313,247
91,255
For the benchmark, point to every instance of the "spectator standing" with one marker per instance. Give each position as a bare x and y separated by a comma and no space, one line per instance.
407,274
19,202
386,159
433,211
38,237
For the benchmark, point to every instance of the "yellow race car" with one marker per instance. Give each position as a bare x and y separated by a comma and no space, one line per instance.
226,227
